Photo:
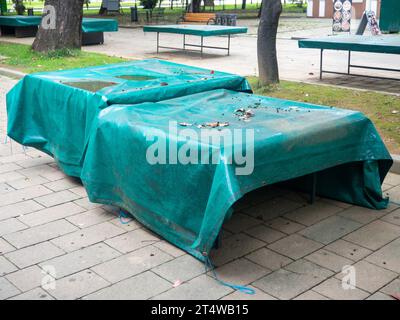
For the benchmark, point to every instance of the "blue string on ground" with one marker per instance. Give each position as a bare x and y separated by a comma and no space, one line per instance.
208,265
124,215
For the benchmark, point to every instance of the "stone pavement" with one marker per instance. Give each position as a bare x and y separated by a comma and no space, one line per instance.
294,63
275,243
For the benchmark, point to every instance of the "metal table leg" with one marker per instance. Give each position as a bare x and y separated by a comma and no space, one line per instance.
229,43
349,63
321,64
202,39
313,190
158,42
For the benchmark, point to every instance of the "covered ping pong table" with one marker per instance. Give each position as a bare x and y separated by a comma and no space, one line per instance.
196,30
99,124
27,26
388,44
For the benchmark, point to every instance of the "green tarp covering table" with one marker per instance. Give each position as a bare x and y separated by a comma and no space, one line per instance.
386,44
73,98
27,26
195,30
131,131
187,202
20,26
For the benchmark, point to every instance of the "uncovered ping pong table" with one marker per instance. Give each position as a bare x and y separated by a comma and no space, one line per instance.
387,44
195,30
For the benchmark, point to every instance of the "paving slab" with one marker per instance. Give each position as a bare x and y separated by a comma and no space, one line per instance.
374,235
332,288
387,257
269,259
329,260
35,294
348,250
295,246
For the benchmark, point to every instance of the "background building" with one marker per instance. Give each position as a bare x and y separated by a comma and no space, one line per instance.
324,8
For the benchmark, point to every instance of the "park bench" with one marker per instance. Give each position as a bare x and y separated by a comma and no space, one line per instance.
197,18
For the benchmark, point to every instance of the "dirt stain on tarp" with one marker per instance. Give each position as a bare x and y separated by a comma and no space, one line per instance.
92,86
132,77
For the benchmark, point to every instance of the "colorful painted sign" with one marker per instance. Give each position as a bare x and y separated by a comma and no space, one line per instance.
342,15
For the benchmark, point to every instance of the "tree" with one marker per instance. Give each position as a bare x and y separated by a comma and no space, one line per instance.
243,4
61,26
196,5
266,41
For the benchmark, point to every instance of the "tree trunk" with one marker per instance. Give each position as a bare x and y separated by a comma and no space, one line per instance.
266,42
196,4
61,27
243,4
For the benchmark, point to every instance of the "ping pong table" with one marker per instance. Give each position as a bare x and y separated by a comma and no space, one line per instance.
387,44
195,30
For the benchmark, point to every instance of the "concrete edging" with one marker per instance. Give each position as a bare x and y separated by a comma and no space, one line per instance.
17,74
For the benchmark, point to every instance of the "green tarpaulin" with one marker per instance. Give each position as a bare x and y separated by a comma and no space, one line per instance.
187,203
20,21
88,24
72,99
376,44
196,30
101,124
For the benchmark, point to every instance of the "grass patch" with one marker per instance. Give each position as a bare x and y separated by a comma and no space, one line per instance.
382,109
21,57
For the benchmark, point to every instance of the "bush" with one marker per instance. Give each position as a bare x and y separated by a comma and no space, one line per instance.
149,4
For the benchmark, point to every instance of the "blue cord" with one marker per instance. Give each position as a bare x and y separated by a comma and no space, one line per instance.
208,265
124,215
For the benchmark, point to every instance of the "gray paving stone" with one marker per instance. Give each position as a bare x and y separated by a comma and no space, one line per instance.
392,288
387,257
45,171
35,294
50,214
18,209
40,233
33,162
269,259
6,266
88,236
131,264
259,295
5,247
27,279
332,288
34,254
77,285
85,203
182,268
140,287
370,277
394,194
272,208
232,272
8,167
348,250
295,246
90,218
306,267
79,190
11,225
330,229
4,188
169,248
392,179
7,290
328,260
380,296
266,234
235,247
240,222
284,225
128,225
393,217
311,214
133,240
310,295
57,198
23,195
201,288
374,235
10,176
361,214
285,284
81,259
62,184
26,182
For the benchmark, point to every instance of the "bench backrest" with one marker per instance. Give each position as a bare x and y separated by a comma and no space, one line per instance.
199,17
